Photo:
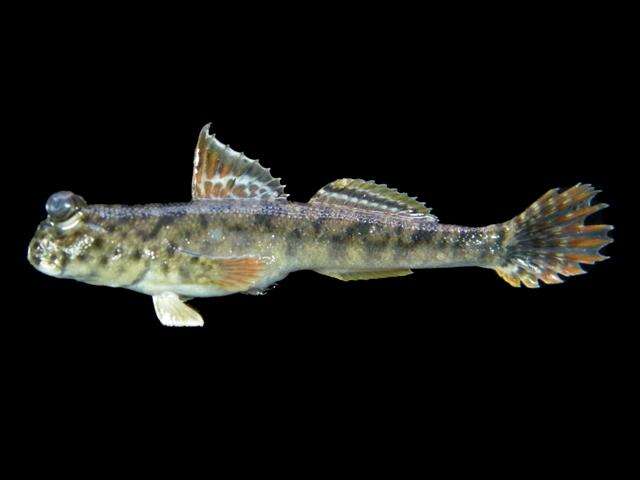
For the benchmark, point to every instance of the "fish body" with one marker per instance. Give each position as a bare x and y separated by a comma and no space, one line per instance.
241,234
155,248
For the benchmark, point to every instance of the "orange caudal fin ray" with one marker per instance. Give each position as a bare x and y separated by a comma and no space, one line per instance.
238,273
550,238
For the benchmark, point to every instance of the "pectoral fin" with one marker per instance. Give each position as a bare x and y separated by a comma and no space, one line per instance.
229,273
238,273
173,312
365,275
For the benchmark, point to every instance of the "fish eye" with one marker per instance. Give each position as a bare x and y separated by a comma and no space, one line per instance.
62,205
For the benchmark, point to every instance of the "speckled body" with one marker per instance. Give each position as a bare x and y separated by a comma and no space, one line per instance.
156,248
240,233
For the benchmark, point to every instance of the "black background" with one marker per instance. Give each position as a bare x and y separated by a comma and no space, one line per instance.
476,116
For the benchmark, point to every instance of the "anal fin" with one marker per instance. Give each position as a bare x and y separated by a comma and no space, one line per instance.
173,312
259,291
366,274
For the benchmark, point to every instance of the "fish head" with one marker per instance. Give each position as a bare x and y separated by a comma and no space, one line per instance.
62,239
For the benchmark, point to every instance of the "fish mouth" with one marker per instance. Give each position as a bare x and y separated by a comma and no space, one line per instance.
49,268
42,255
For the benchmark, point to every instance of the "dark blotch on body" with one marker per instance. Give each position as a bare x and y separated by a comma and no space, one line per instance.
358,230
460,241
233,227
64,260
171,249
376,243
184,272
338,245
421,236
441,240
162,222
263,221
318,224
293,241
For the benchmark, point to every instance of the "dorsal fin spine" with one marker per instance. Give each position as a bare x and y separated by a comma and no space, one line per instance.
221,172
358,193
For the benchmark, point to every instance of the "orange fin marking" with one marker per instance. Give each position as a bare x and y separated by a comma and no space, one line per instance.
550,238
588,242
585,229
580,214
238,273
221,172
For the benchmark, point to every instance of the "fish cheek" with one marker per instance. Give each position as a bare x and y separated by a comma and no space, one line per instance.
78,266
82,254
63,260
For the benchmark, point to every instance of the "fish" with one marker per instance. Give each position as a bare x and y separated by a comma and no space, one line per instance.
241,234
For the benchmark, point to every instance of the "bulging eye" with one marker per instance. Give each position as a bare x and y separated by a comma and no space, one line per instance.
62,205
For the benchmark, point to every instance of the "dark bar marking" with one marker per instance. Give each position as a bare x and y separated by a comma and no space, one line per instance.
162,222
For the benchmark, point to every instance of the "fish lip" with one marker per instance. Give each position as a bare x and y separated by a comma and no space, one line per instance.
30,253
50,269
41,264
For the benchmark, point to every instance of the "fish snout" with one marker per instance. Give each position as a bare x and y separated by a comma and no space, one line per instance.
45,256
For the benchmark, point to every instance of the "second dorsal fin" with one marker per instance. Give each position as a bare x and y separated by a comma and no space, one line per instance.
220,172
371,196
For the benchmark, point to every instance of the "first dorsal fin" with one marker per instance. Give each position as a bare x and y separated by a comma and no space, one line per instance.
220,172
371,196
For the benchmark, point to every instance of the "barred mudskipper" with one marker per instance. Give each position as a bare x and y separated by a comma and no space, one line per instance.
240,234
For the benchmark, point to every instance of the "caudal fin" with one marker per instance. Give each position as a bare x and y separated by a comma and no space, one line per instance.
550,238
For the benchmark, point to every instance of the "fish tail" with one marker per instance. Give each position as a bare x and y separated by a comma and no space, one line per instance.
550,238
